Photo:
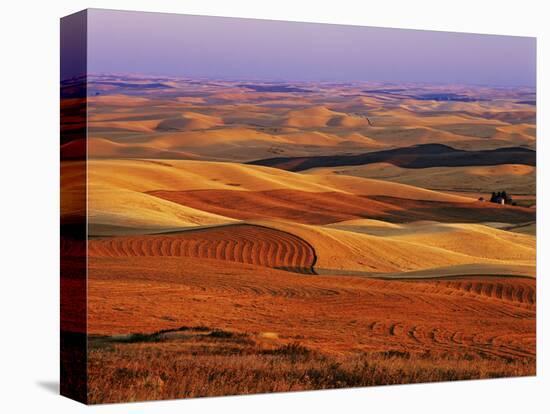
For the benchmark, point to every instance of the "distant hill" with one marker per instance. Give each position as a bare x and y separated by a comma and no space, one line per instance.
418,156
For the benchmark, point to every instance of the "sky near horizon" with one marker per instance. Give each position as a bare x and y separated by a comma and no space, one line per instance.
249,49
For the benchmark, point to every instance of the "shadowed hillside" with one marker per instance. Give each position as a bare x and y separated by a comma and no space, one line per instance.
417,156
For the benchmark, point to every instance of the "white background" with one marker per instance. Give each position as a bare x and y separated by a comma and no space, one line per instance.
29,194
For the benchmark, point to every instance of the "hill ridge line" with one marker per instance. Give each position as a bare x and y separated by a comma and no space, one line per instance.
416,156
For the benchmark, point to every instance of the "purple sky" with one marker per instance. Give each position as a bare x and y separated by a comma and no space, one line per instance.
247,49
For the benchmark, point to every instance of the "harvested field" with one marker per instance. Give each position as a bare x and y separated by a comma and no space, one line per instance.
330,207
301,206
339,314
295,332
517,179
515,290
236,243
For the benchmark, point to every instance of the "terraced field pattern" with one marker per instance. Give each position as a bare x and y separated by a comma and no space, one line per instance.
240,243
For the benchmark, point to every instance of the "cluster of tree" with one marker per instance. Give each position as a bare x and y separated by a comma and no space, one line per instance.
501,197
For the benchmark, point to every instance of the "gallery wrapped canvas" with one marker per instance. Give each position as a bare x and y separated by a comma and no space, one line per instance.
253,206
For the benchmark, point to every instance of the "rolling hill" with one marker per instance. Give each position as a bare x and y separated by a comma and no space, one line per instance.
418,156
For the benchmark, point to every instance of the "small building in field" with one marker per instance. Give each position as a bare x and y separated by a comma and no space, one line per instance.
501,197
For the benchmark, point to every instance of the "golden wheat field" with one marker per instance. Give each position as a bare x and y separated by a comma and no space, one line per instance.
246,239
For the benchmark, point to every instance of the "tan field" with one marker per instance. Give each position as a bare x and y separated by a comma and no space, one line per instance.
256,237
201,175
519,179
155,191
322,249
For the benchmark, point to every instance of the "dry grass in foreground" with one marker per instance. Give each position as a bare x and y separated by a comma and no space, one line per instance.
200,362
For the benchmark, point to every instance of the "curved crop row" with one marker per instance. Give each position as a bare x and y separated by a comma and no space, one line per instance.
250,244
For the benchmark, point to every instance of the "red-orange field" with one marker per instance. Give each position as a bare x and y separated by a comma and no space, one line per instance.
155,318
235,243
330,207
484,316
